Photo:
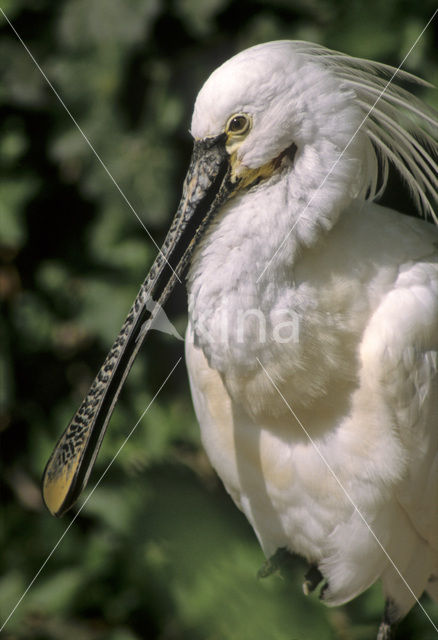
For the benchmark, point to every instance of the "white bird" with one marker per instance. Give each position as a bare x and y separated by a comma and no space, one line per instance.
313,319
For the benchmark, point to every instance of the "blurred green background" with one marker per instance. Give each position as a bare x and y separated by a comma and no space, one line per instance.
159,551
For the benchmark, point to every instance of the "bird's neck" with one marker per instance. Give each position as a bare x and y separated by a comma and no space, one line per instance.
241,281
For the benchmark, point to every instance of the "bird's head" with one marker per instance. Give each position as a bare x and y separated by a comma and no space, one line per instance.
271,101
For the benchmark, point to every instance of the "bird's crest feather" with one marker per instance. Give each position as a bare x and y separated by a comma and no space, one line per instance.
400,128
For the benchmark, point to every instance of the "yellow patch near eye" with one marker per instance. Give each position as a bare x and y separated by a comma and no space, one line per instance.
249,177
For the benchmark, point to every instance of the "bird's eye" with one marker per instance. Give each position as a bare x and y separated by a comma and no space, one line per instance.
238,124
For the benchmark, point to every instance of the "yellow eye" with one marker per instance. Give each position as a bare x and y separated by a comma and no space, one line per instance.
238,123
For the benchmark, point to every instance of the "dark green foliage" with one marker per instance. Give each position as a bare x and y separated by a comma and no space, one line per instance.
159,551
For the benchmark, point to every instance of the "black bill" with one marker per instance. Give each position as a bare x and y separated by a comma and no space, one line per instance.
206,187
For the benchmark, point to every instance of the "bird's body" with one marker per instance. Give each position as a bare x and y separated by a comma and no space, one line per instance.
361,380
312,343
336,339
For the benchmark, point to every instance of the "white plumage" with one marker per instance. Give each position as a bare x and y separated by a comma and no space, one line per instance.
306,247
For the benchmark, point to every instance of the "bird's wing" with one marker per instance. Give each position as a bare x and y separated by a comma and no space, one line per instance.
400,363
386,452
403,338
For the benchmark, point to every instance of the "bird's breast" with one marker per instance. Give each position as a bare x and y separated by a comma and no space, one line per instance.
293,319
297,330
268,465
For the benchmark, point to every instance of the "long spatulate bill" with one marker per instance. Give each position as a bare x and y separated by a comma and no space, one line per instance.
206,187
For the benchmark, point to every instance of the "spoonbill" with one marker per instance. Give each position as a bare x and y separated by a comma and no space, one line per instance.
312,338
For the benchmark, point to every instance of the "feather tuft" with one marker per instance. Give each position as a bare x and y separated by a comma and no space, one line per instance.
400,129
